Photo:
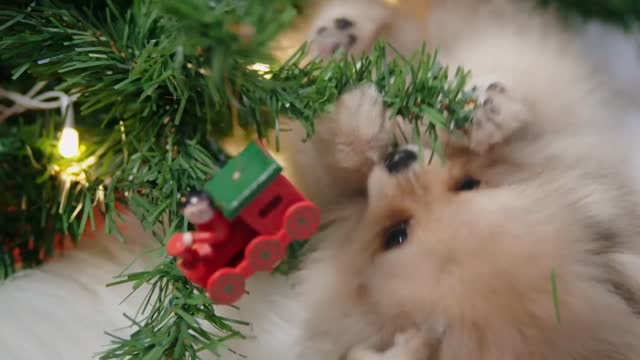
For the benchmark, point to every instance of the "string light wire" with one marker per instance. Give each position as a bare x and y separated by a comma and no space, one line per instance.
69,143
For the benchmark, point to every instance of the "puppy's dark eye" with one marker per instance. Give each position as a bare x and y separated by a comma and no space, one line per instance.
395,236
467,184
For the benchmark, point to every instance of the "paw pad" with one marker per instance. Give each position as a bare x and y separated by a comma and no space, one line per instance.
499,115
338,34
497,87
343,23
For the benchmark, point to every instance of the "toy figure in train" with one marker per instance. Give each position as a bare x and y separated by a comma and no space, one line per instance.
245,219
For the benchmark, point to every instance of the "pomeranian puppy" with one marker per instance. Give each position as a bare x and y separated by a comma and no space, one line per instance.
522,243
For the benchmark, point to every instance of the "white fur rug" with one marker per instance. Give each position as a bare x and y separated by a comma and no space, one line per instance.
61,310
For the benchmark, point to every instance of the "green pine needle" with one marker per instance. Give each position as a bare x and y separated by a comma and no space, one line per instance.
556,299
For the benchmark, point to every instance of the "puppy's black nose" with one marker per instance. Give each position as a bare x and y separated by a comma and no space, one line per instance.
399,160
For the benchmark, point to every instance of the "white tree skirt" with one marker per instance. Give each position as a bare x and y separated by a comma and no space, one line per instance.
61,310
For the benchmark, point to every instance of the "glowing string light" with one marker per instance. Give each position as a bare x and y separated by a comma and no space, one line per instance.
262,69
69,143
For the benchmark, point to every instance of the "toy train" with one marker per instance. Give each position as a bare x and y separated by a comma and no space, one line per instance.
245,219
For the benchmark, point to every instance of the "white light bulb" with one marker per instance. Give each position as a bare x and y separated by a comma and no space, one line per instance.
261,69
69,145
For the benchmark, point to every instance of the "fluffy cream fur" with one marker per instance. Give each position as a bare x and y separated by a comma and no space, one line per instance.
473,279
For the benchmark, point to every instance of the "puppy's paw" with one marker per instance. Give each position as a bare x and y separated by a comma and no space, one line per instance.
352,26
338,33
357,131
500,114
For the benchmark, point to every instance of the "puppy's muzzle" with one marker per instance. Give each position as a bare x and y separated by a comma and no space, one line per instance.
399,160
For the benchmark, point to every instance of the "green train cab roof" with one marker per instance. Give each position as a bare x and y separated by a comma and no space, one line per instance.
241,179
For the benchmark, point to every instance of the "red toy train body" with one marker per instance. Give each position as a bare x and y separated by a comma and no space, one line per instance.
224,251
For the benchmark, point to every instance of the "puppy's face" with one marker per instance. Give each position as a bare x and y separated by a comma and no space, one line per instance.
471,242
435,233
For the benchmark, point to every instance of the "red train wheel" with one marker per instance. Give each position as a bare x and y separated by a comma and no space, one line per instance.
302,220
264,254
225,287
